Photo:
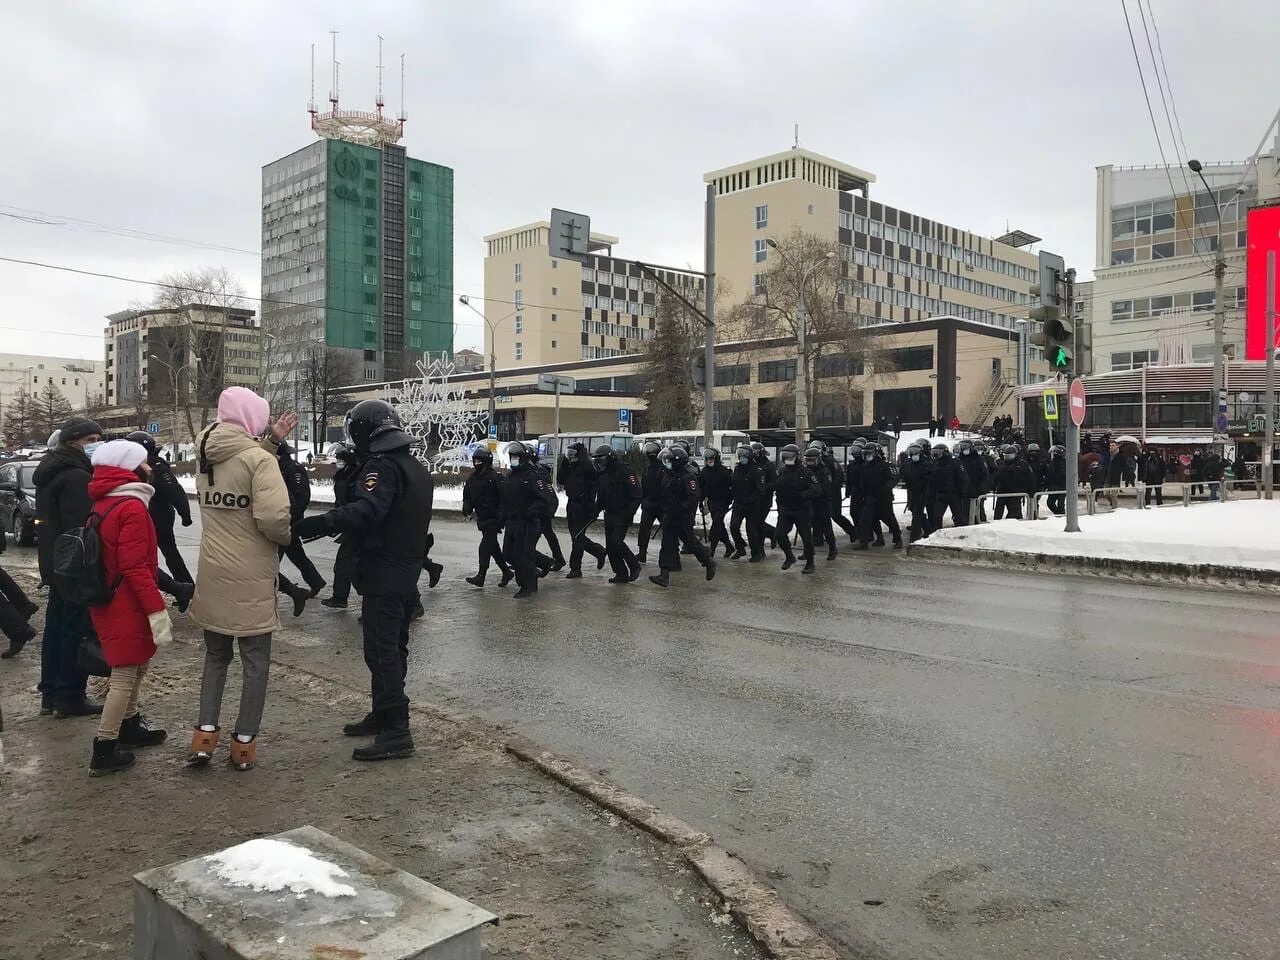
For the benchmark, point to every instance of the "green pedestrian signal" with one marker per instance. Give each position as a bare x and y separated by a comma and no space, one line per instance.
1061,359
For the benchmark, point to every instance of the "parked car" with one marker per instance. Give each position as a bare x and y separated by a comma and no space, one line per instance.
18,501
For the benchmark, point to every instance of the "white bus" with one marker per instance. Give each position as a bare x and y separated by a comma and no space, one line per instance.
725,441
551,445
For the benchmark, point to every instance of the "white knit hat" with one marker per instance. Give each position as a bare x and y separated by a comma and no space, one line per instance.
120,453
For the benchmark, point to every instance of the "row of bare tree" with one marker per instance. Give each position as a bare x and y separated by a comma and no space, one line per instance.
847,355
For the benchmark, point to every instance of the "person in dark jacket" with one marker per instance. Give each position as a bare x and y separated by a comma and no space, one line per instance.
526,496
680,494
651,497
798,489
169,503
1195,472
877,482
747,491
1214,473
766,530
837,493
548,516
577,477
482,499
853,487
1153,478
823,532
717,489
1056,478
16,609
617,499
1036,461
978,477
388,515
949,489
916,471
1013,476
344,478
63,503
298,484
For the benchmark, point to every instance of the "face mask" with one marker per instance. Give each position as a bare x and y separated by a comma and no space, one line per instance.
1010,457
599,465
868,457
789,460
744,458
91,448
915,456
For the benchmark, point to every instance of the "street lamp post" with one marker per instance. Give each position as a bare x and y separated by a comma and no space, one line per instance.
1219,397
802,323
175,378
493,338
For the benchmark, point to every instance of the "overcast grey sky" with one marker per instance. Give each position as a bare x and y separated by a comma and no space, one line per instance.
158,117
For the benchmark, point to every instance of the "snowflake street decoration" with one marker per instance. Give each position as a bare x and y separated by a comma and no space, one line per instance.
431,404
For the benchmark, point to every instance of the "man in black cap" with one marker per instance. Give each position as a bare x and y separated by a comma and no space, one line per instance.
62,504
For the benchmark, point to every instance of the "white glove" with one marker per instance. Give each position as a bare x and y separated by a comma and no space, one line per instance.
161,628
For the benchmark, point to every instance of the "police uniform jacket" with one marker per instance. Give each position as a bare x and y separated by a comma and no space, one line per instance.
949,479
680,494
876,478
717,485
578,480
979,478
618,493
748,484
651,483
524,496
169,498
299,485
797,489
482,496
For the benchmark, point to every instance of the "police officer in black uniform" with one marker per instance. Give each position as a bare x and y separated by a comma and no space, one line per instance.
1013,476
299,486
650,497
526,496
979,477
680,495
765,530
917,472
482,499
577,477
548,530
797,490
170,501
949,489
748,491
387,518
823,532
877,481
1056,478
344,479
617,498
837,493
717,488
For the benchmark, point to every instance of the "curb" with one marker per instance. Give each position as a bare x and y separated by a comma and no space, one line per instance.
781,932
1210,574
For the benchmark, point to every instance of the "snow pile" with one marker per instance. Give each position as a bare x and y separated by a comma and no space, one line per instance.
274,865
1243,533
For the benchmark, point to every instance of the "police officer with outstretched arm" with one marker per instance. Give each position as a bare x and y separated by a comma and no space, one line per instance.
344,479
387,517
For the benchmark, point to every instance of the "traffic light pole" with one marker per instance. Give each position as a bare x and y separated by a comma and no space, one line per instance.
1073,432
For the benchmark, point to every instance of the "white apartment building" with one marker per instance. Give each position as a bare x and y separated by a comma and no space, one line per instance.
82,382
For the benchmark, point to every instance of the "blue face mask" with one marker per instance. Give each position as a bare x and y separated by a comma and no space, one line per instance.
89,448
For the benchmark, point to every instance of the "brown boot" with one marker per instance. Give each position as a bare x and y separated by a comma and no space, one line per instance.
203,743
243,755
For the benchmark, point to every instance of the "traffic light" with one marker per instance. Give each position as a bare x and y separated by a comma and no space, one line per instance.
1056,331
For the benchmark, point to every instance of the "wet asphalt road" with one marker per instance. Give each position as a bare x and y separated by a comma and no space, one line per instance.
927,760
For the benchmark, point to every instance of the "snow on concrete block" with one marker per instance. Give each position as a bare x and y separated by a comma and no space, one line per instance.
299,894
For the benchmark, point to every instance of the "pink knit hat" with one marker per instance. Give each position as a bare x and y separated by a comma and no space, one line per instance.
244,408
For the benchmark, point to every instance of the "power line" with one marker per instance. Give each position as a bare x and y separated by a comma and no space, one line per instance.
1172,102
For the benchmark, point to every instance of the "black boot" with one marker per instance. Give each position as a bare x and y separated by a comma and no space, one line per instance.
524,593
601,557
897,542
662,579
831,554
315,587
370,726
573,575
392,742
108,758
182,594
134,732
808,567
17,643
28,611
507,574
711,569
738,554
476,581
557,564
418,611
788,563
299,596
84,707
860,545
335,603
433,573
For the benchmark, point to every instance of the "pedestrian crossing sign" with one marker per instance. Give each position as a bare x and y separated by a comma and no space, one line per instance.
1050,405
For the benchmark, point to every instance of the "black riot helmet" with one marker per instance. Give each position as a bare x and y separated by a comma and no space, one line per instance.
603,457
757,450
1009,453
345,452
1057,451
374,427
812,456
711,456
482,458
521,455
966,448
916,451
857,444
651,449
789,454
941,451
1033,450
744,454
674,458
144,440
577,451
870,451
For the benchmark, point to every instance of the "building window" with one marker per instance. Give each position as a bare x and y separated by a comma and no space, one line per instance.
776,371
553,318
371,299
910,358
519,273
555,344
519,322
811,209
1133,360
1121,256
554,291
518,349
762,216
737,375
1162,251
757,284
762,251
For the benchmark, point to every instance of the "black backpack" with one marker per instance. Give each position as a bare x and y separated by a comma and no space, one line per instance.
77,563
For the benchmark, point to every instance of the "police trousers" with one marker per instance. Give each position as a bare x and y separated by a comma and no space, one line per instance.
648,516
490,549
719,533
579,517
169,550
746,512
677,532
621,560
519,550
801,521
385,626
876,512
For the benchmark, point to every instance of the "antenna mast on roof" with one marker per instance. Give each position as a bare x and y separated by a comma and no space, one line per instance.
311,104
333,89
355,126
796,145
379,101
403,116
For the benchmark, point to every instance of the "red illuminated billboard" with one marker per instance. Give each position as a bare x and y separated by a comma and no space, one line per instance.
1263,236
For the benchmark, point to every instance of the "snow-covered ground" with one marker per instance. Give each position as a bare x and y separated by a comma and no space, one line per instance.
1243,533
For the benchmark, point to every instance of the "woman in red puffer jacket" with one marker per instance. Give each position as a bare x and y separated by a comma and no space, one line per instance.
134,621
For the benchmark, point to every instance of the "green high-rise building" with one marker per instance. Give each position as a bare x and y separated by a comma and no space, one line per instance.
357,255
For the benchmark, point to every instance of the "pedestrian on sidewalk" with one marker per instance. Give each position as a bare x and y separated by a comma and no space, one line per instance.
134,621
1153,478
244,512
15,610
1215,472
298,484
62,504
388,515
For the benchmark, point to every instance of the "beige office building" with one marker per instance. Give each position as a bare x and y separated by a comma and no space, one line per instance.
542,309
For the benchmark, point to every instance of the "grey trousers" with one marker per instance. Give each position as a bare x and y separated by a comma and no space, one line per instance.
255,663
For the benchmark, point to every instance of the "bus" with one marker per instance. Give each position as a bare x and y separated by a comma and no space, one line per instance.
725,441
551,445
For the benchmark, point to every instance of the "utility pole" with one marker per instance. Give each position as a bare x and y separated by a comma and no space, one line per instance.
1268,477
708,387
1073,432
1219,394
802,373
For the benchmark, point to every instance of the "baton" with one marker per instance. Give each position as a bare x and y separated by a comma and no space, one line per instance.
575,536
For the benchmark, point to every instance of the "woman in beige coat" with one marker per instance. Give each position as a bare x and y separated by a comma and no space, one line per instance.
244,510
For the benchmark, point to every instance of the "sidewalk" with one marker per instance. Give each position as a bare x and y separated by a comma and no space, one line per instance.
566,878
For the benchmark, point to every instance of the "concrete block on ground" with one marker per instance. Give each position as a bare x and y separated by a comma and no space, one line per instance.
301,894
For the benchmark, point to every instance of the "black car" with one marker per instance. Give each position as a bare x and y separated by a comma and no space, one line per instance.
18,501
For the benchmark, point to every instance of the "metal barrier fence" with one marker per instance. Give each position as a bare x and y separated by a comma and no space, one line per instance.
976,502
1219,491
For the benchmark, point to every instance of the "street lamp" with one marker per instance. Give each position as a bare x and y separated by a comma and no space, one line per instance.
174,379
802,321
493,338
